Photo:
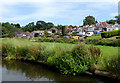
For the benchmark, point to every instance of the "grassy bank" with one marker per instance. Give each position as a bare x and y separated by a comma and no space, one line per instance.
68,58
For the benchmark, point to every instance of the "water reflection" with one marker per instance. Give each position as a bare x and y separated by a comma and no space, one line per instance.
21,71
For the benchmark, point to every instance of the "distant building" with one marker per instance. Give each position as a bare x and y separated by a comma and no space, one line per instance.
52,30
39,32
22,34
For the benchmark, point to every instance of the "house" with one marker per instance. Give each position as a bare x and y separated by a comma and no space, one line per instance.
85,28
39,32
114,27
91,28
80,29
52,30
23,34
102,26
68,30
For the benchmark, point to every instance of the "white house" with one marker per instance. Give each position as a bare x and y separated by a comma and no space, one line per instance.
91,28
116,26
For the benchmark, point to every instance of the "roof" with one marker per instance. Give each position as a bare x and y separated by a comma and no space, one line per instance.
52,29
38,31
104,25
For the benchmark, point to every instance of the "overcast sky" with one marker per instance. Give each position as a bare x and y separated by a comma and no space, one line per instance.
66,12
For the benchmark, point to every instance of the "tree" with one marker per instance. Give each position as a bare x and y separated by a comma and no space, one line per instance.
111,21
59,27
40,25
118,19
63,30
9,30
49,25
89,20
17,25
30,27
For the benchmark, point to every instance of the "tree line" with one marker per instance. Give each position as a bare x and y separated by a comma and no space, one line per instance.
8,29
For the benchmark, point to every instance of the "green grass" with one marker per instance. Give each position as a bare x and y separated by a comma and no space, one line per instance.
94,37
106,50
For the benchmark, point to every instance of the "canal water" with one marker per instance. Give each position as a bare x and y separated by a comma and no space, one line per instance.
13,70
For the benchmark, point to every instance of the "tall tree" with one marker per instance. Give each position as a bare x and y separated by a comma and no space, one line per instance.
17,25
49,25
63,30
40,25
89,20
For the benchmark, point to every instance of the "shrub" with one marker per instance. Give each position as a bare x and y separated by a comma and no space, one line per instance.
76,61
113,65
95,53
21,51
108,34
4,49
30,57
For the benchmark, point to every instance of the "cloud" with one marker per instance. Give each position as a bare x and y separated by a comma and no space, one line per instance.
62,11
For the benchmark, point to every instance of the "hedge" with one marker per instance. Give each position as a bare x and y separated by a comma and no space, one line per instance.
108,34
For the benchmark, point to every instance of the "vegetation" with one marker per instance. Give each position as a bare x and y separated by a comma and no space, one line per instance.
97,41
68,58
113,64
63,30
8,30
68,61
113,21
108,34
98,36
89,20
107,42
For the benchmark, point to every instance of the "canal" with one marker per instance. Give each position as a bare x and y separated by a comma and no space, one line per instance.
13,70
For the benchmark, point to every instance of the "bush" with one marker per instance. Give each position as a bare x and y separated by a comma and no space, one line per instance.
81,57
108,34
107,42
21,51
95,53
72,62
113,65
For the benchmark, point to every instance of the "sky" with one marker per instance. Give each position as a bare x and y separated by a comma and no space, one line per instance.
65,12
